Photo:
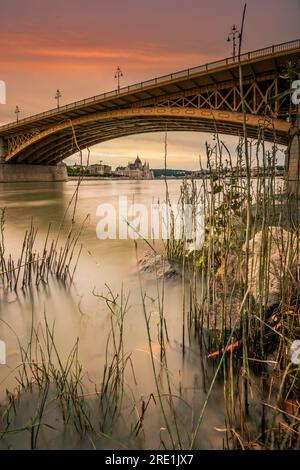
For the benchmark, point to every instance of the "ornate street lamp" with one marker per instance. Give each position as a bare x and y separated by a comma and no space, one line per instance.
233,36
57,97
118,75
17,111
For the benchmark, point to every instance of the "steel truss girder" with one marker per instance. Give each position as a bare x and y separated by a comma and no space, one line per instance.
16,141
256,98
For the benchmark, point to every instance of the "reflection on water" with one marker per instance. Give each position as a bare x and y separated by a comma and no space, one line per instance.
81,312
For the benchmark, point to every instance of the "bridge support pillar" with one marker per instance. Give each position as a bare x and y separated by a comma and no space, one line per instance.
293,158
3,149
18,173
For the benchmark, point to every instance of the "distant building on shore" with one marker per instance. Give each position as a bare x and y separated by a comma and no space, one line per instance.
100,169
277,170
96,169
136,170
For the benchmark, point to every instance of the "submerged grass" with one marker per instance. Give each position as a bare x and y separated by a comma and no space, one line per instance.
57,392
34,267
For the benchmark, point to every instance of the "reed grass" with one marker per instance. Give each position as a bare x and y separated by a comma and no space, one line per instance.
57,384
33,267
229,264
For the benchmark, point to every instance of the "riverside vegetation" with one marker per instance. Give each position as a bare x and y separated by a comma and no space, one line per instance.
240,308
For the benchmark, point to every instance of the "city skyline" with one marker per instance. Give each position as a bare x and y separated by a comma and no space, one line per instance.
51,46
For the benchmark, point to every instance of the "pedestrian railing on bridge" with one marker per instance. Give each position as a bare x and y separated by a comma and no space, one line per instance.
266,51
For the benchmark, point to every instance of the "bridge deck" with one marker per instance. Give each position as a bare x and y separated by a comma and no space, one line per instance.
255,64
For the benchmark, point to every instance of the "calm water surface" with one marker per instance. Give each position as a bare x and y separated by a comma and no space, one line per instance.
78,313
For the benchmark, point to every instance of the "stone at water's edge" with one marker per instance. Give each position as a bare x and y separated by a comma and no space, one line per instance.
21,173
157,266
280,247
293,159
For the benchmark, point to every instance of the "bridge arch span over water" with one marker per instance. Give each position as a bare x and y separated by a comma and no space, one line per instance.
202,99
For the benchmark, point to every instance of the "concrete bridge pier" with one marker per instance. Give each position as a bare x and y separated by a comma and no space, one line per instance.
3,150
17,173
22,173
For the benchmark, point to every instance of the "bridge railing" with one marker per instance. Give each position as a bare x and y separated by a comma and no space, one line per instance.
165,78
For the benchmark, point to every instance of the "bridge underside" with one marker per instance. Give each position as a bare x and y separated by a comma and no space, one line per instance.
57,143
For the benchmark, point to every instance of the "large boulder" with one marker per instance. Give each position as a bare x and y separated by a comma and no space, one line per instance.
157,265
272,259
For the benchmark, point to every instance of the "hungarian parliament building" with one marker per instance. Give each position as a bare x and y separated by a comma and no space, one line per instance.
136,170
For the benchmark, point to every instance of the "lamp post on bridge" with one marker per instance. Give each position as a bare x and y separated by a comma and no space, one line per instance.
233,36
17,111
57,97
118,75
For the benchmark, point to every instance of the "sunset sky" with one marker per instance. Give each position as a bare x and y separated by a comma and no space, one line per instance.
76,45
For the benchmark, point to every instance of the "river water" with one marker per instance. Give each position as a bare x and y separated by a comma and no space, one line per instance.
79,313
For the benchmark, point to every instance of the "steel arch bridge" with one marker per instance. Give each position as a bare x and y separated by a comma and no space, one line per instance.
205,99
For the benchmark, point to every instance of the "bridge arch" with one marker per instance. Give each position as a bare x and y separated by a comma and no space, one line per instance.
62,140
